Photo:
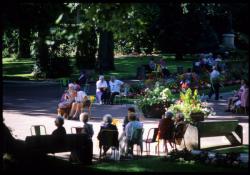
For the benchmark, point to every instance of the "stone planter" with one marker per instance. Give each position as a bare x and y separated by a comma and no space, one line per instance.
197,117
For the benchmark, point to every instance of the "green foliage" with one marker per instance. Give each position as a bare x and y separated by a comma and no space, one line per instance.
158,95
10,44
190,103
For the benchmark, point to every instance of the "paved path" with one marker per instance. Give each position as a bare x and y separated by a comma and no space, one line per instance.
26,104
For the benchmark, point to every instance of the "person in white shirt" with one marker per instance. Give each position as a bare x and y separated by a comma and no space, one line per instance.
215,84
115,88
80,98
101,88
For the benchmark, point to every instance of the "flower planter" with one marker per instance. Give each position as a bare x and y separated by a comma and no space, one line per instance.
197,117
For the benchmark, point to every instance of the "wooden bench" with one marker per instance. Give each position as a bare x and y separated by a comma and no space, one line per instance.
228,128
56,144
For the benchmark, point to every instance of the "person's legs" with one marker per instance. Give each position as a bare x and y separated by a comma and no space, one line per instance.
73,109
112,96
211,92
216,90
98,97
78,110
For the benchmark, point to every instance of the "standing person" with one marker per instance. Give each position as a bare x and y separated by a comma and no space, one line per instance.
107,125
152,64
215,83
83,78
101,88
60,131
115,88
87,128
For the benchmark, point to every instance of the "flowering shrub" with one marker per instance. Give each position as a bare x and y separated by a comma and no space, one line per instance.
190,103
158,95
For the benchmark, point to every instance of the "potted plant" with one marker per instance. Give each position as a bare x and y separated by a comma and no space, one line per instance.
154,102
191,106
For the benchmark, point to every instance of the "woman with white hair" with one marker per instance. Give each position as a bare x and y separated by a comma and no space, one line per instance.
101,88
107,125
87,128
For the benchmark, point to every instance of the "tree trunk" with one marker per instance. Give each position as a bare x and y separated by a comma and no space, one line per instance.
86,50
178,56
43,53
24,42
106,51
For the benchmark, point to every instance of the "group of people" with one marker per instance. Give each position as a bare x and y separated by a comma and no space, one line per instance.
160,67
72,102
207,61
107,90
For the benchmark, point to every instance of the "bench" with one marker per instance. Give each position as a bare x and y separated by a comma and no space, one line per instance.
228,128
56,144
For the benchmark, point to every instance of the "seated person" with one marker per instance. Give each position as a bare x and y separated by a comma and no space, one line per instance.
81,99
244,98
125,144
87,128
101,89
66,102
125,121
236,97
60,131
107,124
166,128
179,127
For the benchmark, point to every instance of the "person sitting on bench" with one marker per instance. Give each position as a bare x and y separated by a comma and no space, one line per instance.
80,100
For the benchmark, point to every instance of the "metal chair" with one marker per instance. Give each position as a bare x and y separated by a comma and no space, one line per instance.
151,138
136,139
108,138
78,130
37,130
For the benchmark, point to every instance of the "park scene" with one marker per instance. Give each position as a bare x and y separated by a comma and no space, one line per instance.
125,87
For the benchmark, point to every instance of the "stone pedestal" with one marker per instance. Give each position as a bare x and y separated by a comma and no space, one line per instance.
228,40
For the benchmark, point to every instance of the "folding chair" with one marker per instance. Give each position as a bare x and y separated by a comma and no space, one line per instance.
78,130
151,138
136,139
108,138
36,130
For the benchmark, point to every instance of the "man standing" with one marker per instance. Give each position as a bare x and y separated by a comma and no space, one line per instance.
215,83
115,88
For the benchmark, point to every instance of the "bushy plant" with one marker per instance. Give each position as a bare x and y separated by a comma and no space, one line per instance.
188,103
158,95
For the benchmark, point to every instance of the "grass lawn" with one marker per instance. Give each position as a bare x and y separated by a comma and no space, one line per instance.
158,164
125,67
17,69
